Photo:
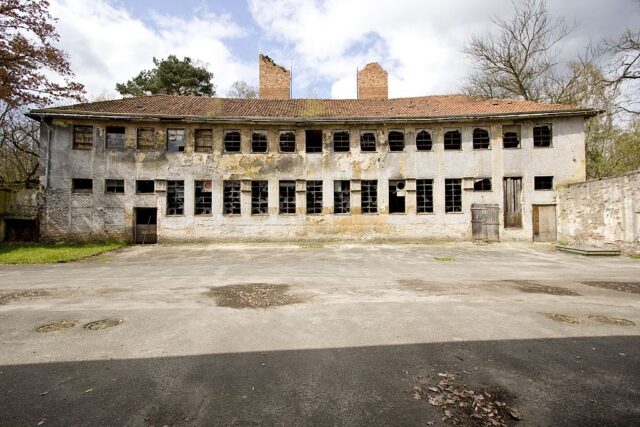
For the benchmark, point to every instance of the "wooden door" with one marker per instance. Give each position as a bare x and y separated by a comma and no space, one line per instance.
512,202
484,222
544,223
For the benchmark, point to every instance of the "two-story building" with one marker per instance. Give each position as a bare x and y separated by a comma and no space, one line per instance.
177,168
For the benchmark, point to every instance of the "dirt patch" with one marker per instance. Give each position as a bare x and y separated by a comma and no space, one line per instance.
462,406
102,324
7,297
253,295
57,326
418,284
629,287
564,318
536,288
612,320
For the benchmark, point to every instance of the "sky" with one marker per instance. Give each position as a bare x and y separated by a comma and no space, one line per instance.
323,42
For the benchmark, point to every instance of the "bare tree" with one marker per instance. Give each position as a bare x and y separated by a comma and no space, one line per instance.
19,146
241,89
624,74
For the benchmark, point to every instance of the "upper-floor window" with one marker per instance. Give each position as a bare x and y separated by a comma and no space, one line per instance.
288,141
511,136
453,140
313,141
543,183
145,139
145,186
203,141
341,141
114,186
481,140
423,141
259,142
82,185
232,141
115,138
82,137
368,141
396,141
175,140
542,136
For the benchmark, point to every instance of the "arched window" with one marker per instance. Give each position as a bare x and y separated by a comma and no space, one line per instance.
423,141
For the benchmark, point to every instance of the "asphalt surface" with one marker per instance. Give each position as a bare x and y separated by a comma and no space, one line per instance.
349,334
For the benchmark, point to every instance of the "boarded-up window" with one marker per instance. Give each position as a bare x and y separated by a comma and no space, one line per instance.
259,142
288,142
511,136
82,137
259,197
145,139
423,141
512,202
341,197
175,197
175,140
114,186
424,195
231,197
232,141
341,141
452,195
481,140
287,197
369,196
314,197
453,140
396,141
82,185
542,136
202,202
368,141
203,140
115,138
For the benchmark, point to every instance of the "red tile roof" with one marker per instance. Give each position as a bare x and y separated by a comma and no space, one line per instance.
425,107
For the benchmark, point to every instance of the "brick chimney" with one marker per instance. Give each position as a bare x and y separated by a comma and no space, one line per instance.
275,80
373,82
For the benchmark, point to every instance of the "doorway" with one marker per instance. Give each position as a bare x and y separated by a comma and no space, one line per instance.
512,202
484,222
146,229
544,223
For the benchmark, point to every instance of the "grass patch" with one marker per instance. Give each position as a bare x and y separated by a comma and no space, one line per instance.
444,258
46,253
634,256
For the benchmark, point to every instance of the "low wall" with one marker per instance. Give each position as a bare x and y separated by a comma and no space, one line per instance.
603,213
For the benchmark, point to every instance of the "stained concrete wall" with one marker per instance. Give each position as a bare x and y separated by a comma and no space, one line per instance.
97,216
603,213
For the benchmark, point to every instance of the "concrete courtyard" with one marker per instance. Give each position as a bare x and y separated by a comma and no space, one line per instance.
317,334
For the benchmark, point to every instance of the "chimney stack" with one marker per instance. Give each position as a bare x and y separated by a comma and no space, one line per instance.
373,82
275,80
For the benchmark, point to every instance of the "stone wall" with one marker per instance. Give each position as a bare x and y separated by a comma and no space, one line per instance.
604,213
373,82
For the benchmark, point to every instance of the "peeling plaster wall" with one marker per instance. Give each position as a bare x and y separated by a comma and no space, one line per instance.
604,213
100,216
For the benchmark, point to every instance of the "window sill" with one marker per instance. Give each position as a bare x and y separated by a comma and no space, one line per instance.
88,193
232,215
550,146
145,194
174,215
543,189
512,148
260,214
425,213
454,213
203,215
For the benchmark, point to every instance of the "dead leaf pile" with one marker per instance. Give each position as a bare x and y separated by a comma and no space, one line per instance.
462,406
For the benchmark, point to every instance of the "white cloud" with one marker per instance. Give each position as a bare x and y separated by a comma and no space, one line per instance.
419,42
106,45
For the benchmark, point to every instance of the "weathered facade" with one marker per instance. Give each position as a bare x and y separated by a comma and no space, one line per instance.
189,168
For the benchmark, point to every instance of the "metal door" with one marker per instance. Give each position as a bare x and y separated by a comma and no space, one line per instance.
544,223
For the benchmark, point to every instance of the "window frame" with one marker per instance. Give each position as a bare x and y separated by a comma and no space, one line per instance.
282,132
153,182
473,138
533,133
444,139
224,141
517,129
306,141
76,190
175,183
318,184
169,144
376,209
259,185
482,179
288,184
110,182
140,132
202,148
428,207
428,132
335,193
200,185
266,141
375,140
404,142
82,145
333,141
455,209
226,200
106,137
540,177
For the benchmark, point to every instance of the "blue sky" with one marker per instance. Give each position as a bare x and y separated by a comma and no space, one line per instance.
325,41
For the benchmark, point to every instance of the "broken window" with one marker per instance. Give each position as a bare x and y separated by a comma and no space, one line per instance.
543,183
396,141
232,141
203,141
82,186
288,142
175,197
82,137
369,196
511,136
481,140
259,142
314,197
202,200
115,138
175,140
453,140
114,186
482,184
145,139
423,141
396,196
542,136
287,197
453,195
367,141
341,141
145,186
231,197
259,197
313,141
424,195
341,197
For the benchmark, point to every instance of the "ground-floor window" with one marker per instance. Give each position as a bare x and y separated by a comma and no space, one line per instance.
453,195
369,196
342,197
231,197
259,197
175,197
314,197
287,197
424,195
